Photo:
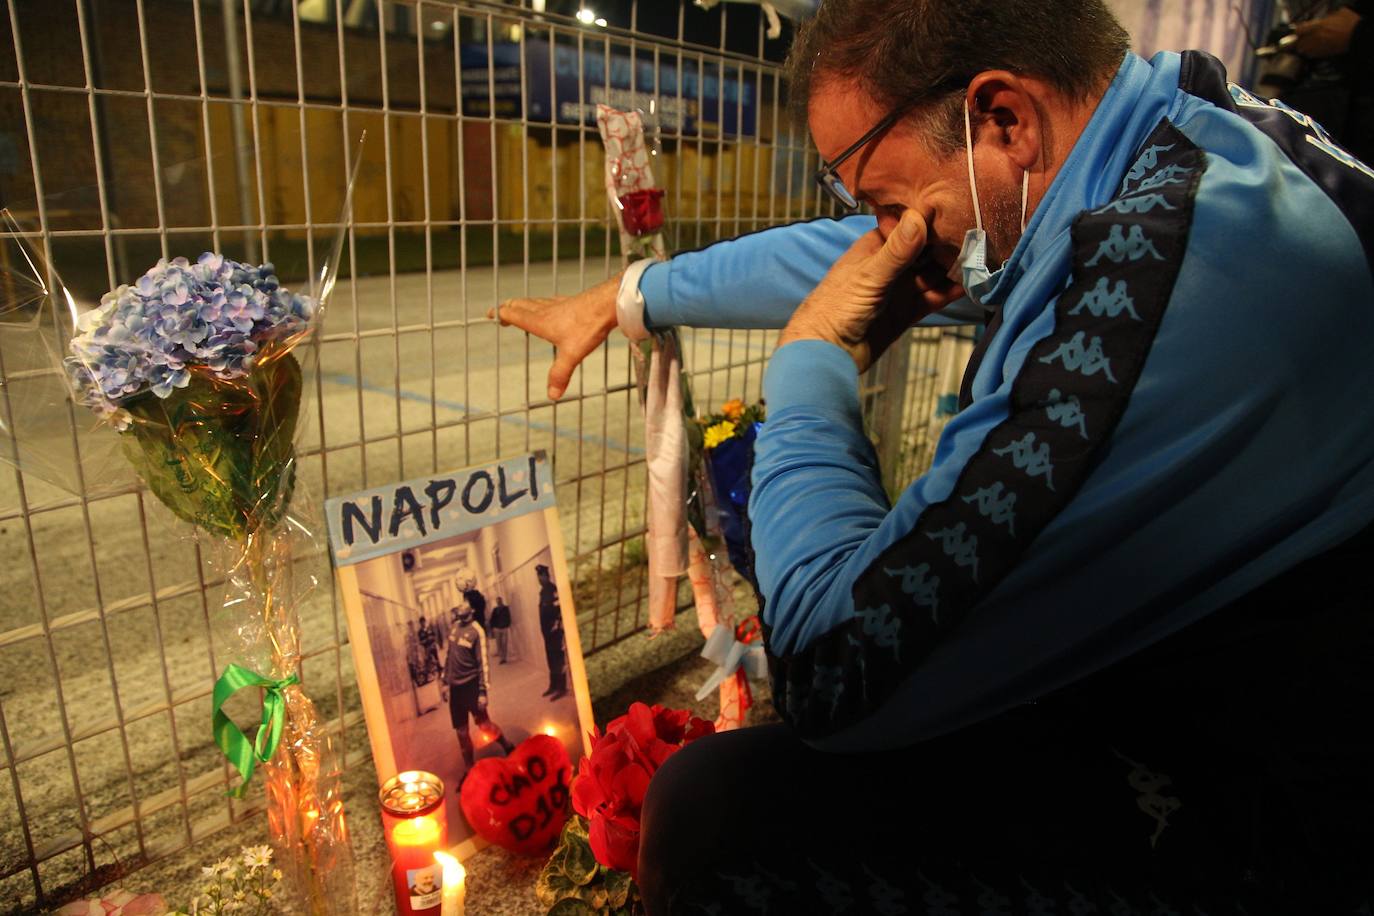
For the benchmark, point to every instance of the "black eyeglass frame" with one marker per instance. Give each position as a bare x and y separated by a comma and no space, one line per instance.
829,179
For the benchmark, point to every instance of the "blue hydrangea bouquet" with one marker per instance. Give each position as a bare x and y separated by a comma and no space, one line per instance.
193,363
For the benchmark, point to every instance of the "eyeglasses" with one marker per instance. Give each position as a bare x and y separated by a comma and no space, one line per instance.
829,179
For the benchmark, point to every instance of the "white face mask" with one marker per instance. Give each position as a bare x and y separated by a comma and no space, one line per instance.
970,268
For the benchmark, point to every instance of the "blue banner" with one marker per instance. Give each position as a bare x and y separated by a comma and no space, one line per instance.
557,88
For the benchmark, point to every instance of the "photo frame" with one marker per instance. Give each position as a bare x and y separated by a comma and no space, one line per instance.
449,583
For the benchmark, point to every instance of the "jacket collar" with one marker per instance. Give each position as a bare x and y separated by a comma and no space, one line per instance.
1141,94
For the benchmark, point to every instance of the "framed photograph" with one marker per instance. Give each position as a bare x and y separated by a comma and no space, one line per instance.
462,623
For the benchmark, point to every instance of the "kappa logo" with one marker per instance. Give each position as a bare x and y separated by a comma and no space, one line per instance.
1128,205
1088,360
833,890
997,505
1120,247
1026,456
1079,905
991,902
1067,412
1037,904
1146,163
880,626
923,588
959,545
1152,800
938,900
886,898
1101,301
1169,175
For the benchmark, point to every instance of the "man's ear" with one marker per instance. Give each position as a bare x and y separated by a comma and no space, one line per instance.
1001,101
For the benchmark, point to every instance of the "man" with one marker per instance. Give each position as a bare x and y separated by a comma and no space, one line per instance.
478,602
500,627
1113,647
428,637
467,671
551,626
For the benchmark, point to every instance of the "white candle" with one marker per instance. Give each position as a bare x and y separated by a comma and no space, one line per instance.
455,884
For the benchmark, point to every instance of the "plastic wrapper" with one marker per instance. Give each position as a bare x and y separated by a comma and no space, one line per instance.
192,376
685,531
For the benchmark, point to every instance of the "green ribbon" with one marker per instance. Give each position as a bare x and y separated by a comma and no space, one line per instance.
242,753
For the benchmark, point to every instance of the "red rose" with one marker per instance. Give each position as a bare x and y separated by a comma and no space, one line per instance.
612,781
642,212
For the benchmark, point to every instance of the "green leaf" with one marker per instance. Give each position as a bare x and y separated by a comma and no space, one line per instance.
571,906
576,827
553,884
580,863
619,885
220,454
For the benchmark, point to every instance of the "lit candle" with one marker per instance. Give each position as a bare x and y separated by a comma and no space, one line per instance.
455,884
415,825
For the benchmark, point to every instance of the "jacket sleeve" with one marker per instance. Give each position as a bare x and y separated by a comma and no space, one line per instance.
755,281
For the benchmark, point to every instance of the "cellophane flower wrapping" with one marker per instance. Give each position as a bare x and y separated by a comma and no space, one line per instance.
194,373
683,537
724,453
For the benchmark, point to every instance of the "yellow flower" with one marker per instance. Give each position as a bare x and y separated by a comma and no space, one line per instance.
733,409
719,433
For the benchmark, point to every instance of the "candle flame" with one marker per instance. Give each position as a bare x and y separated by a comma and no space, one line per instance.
454,872
550,731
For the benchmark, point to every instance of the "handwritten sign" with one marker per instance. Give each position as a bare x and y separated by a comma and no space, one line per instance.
403,515
520,802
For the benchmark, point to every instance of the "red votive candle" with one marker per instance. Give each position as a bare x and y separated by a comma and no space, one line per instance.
416,828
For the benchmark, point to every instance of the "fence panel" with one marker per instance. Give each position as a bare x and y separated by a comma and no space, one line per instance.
137,129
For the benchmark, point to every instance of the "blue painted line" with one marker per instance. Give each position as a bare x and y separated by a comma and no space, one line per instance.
459,407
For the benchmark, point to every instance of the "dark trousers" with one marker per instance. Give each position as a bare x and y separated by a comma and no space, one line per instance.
1228,769
462,703
553,654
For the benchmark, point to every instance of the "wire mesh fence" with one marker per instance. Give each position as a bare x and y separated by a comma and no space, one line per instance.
139,129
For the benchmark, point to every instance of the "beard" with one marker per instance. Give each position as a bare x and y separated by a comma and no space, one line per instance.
1003,224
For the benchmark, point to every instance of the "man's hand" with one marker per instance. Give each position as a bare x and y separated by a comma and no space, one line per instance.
576,325
482,701
1328,36
875,291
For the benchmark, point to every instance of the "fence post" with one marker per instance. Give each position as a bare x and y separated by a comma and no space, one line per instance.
888,422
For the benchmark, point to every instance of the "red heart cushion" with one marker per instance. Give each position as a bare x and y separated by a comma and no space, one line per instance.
520,801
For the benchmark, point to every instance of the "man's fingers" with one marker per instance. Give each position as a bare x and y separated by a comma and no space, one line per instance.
903,245
560,373
525,314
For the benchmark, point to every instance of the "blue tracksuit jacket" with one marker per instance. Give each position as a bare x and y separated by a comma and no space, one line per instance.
1171,407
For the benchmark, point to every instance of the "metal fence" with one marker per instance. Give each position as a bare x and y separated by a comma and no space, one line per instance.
133,129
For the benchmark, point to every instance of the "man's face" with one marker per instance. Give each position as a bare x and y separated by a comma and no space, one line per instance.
897,170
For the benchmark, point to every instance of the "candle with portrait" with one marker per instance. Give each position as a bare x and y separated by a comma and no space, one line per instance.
416,828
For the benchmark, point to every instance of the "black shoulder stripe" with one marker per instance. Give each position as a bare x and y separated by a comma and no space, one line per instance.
1066,402
975,359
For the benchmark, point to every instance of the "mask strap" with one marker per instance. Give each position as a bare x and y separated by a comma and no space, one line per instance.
972,181
1025,195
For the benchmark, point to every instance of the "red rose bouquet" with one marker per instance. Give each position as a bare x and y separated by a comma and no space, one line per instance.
610,785
608,795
